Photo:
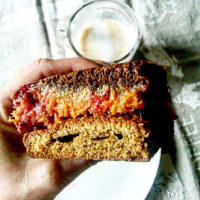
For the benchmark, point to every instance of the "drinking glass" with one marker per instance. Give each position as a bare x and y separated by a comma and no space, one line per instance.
104,30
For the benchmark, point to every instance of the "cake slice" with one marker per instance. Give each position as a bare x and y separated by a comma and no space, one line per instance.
98,113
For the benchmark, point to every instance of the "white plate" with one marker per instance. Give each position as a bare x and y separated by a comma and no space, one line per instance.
113,180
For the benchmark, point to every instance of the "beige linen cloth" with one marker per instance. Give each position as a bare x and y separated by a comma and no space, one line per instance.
171,37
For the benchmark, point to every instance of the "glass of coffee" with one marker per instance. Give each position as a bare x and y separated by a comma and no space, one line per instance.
104,30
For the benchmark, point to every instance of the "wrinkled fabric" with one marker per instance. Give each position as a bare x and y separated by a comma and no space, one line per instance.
170,36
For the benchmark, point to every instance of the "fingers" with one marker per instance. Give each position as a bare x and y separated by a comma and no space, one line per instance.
70,169
47,67
75,165
51,176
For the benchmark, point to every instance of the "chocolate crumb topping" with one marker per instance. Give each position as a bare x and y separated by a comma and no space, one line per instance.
132,74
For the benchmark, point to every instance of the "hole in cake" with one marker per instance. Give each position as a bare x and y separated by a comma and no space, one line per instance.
119,136
67,138
100,138
53,140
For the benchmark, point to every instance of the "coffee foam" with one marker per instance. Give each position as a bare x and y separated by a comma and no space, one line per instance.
105,39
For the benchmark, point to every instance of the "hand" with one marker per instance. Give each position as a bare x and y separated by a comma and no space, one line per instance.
22,177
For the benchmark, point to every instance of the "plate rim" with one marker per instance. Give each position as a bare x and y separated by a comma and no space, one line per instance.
157,160
159,152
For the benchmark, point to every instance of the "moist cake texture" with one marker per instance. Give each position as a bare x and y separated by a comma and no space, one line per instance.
97,138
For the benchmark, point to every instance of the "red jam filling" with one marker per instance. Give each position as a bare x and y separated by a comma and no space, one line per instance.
34,109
